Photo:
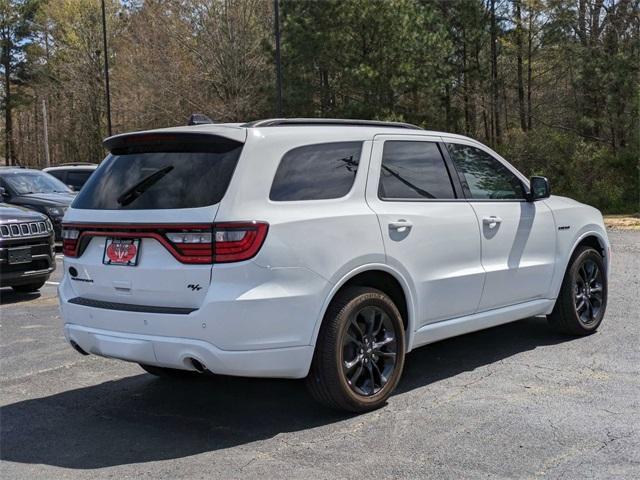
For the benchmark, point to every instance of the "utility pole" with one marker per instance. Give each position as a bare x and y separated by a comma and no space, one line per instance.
45,123
106,67
276,10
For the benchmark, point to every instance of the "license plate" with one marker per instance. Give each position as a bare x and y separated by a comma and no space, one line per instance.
121,251
19,255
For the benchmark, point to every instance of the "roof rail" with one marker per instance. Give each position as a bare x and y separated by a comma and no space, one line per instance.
338,122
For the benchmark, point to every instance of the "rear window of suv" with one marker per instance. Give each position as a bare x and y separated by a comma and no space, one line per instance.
316,172
167,173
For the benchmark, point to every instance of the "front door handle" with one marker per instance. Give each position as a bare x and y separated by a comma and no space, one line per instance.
492,221
400,225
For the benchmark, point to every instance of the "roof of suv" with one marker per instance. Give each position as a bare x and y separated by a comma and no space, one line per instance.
239,131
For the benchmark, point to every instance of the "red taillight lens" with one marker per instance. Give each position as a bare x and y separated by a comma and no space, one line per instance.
192,244
70,241
237,241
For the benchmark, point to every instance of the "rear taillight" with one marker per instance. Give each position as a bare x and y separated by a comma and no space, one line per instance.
70,241
192,244
237,241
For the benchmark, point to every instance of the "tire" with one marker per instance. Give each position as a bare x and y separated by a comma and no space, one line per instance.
28,287
582,301
163,372
344,330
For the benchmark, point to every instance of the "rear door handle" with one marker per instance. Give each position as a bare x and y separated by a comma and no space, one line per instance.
492,221
400,225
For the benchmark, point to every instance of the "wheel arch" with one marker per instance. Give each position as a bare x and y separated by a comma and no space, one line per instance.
590,237
383,278
593,239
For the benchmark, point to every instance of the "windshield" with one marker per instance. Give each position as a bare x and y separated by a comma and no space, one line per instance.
34,182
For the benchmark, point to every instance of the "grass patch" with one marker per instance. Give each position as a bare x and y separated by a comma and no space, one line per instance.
623,222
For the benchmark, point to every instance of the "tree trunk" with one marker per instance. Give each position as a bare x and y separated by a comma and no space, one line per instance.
447,107
529,69
9,145
465,86
495,94
523,123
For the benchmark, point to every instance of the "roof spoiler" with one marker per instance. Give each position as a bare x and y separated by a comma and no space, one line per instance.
169,141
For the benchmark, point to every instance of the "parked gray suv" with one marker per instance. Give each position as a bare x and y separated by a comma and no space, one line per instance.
27,255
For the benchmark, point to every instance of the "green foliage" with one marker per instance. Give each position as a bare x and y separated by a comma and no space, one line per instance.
365,59
578,168
557,93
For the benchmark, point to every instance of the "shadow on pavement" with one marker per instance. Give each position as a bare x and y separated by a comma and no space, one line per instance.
9,296
141,418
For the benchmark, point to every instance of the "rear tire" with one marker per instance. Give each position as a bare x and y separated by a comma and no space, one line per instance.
28,287
359,353
582,301
163,372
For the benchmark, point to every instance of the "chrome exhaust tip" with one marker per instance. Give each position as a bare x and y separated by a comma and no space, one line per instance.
200,368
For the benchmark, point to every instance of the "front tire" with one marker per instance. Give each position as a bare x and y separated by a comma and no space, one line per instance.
360,351
582,302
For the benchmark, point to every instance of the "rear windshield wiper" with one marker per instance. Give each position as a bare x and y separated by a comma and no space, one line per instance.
142,186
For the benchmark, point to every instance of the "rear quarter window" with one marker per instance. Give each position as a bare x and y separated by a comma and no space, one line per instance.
316,172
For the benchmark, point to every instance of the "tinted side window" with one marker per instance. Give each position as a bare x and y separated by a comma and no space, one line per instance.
59,174
316,172
484,176
76,179
413,170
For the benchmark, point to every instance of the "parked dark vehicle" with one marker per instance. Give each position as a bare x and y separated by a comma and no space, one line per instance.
73,175
27,255
38,191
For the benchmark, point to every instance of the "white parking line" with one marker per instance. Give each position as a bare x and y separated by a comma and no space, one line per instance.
52,283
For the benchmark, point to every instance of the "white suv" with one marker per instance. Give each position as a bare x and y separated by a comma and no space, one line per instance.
324,249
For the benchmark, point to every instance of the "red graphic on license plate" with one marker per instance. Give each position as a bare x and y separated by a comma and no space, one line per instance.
122,251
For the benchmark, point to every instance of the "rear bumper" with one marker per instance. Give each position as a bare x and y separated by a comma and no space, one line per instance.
254,321
172,352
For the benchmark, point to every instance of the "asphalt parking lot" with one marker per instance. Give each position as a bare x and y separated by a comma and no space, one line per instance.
516,401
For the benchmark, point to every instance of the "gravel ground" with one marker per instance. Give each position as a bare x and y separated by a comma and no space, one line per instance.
516,401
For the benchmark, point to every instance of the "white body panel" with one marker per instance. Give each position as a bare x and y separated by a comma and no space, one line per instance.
261,317
439,250
518,251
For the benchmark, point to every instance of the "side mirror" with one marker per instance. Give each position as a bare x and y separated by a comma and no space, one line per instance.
3,193
539,188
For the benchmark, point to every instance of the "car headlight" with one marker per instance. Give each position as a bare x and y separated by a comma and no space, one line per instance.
56,211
